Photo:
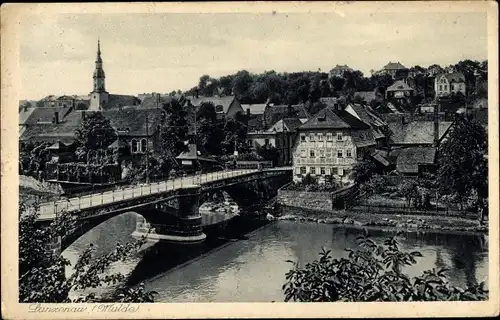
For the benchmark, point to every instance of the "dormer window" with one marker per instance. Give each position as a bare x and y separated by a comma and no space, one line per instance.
339,136
311,137
219,108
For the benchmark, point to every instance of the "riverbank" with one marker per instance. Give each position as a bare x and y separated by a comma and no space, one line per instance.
387,222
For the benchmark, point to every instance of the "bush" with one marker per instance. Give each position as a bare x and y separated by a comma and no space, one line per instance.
372,273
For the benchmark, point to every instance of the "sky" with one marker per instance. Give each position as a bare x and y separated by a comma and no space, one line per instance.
161,52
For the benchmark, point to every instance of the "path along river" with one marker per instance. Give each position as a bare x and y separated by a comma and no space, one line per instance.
253,269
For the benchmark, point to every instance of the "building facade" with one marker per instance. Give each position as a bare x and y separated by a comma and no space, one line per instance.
330,144
449,83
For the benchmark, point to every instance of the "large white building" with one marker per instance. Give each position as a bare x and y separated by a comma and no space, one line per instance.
448,83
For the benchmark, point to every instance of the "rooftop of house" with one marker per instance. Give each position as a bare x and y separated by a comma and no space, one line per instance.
24,115
366,95
224,101
394,66
399,85
416,132
257,108
45,115
290,124
194,154
120,100
65,97
409,159
452,77
329,118
381,156
273,114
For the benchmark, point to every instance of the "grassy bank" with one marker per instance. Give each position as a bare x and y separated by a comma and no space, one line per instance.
406,222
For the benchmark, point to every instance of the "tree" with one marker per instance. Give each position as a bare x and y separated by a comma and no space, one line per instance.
174,130
372,273
463,167
269,153
95,132
363,170
409,190
42,276
208,131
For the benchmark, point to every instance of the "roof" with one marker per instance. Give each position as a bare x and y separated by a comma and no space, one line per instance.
59,145
255,122
24,115
273,114
409,159
399,85
328,118
291,124
417,132
149,101
363,138
46,114
381,156
453,76
224,101
257,108
367,114
394,66
132,120
120,100
118,144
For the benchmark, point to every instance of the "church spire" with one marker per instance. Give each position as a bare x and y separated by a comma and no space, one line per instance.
99,75
99,51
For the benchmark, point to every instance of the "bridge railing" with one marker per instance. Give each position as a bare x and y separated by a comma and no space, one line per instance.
50,209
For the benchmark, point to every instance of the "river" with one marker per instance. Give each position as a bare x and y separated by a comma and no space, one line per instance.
252,269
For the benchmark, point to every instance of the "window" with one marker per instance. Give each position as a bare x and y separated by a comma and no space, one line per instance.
144,145
313,170
302,153
334,170
340,153
329,137
348,153
311,137
134,146
219,108
322,153
302,170
311,154
320,137
266,142
445,87
341,172
302,137
440,87
339,136
297,170
322,170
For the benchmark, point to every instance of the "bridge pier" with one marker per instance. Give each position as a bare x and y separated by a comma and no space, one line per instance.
174,222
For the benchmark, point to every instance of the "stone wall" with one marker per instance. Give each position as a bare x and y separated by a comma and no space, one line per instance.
304,199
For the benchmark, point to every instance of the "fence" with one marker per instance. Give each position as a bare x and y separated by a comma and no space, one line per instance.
48,209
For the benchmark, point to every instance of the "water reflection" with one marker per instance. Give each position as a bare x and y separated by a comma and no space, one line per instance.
253,270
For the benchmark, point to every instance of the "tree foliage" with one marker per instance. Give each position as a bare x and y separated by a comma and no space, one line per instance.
174,130
363,170
463,167
372,272
95,132
42,275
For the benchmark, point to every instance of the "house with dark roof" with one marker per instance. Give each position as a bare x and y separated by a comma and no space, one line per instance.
399,90
418,133
339,71
281,135
394,69
368,115
330,144
449,83
414,160
275,113
225,106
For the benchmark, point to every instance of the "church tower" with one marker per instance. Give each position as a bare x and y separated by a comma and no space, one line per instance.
99,96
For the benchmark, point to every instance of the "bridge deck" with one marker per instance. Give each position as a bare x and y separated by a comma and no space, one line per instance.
49,210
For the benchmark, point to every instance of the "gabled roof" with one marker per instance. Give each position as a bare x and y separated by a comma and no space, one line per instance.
328,118
193,154
417,132
381,156
399,85
291,124
224,101
118,144
120,100
24,115
363,138
149,101
59,145
394,66
46,115
273,114
134,119
452,77
409,159
257,108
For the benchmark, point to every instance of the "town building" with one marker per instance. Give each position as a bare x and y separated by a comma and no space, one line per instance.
330,144
339,71
226,107
399,90
405,133
275,113
395,69
414,161
281,135
446,84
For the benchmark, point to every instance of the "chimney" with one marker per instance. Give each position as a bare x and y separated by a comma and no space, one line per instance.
248,112
436,125
56,117
25,107
403,120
